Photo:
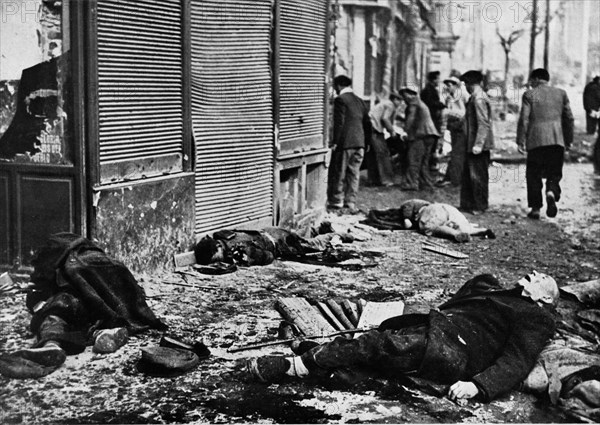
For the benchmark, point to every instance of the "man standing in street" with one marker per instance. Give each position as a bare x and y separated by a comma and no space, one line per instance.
591,104
455,117
422,137
379,164
544,131
351,135
430,95
474,191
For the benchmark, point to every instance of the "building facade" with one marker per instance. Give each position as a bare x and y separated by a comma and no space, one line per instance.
145,125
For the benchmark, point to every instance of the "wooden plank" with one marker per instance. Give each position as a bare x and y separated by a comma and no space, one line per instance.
375,313
438,249
327,313
299,312
337,310
350,310
361,305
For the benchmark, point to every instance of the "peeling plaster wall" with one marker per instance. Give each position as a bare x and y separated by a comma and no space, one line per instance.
145,224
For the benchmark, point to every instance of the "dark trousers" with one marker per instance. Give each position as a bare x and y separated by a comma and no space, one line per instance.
379,163
596,155
457,157
418,163
590,123
391,351
474,191
545,162
62,319
343,176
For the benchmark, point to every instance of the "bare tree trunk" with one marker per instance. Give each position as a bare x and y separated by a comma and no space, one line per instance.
547,37
533,35
505,85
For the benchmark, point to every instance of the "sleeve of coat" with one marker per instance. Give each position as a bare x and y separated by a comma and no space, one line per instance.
530,333
523,122
484,122
339,117
367,126
567,121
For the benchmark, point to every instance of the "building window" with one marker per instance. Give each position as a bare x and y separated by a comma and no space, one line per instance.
34,82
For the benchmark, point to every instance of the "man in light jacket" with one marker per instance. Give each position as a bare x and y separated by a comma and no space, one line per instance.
544,131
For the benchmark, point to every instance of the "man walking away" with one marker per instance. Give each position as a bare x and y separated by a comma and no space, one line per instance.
351,134
422,137
591,104
474,192
379,164
544,130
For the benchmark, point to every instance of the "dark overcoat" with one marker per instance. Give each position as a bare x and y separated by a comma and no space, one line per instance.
483,334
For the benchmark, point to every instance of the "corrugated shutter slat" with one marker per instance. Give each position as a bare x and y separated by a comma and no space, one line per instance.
232,112
302,71
140,80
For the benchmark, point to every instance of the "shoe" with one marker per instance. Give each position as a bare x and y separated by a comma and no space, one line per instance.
389,184
17,367
551,209
110,340
166,361
443,183
489,233
269,368
335,206
302,347
199,348
534,214
49,355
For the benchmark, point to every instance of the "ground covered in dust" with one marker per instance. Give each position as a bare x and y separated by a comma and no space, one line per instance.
235,309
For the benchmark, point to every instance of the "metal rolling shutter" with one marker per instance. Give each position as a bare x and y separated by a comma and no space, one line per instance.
140,84
232,112
302,73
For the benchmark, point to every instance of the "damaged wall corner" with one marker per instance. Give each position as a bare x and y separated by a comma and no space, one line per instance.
145,224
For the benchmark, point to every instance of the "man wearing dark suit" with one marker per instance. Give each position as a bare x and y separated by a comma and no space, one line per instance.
351,135
591,104
482,343
544,131
474,191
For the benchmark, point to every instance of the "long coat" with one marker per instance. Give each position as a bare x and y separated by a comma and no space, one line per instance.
351,123
483,334
546,118
478,122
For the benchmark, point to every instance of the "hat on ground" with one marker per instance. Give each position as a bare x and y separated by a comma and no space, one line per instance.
166,362
407,90
452,80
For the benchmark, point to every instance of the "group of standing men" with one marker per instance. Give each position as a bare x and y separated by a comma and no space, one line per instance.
544,132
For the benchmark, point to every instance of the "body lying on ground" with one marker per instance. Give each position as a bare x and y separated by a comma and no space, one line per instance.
481,343
81,297
261,247
431,219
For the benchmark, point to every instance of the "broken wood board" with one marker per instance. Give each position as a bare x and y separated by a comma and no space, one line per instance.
351,311
339,313
328,314
299,312
440,249
376,312
587,293
184,259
